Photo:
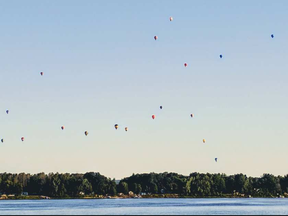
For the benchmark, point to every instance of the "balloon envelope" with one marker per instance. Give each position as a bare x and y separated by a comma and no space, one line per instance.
153,116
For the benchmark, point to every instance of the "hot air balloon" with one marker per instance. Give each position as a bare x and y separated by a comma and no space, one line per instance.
126,128
62,127
42,73
116,126
221,56
86,133
171,19
272,36
22,139
155,37
161,107
192,115
204,141
153,116
216,160
185,65
7,111
2,140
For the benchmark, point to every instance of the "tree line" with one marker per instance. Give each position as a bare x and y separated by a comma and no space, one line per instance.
194,185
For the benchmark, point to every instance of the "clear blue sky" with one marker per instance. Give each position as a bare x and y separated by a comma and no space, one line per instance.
102,67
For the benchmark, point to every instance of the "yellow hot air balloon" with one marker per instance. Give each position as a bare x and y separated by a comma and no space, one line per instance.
204,141
116,126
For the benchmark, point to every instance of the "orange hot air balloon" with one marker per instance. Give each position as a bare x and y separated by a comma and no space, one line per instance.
155,37
186,65
204,141
126,128
62,127
153,116
116,126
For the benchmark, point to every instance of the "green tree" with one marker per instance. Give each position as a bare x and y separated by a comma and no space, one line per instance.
86,187
123,188
239,183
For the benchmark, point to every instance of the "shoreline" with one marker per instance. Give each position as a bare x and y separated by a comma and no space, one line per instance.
156,196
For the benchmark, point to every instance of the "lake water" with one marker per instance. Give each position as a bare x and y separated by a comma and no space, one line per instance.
146,206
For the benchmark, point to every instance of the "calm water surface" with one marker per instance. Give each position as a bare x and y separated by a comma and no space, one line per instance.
146,206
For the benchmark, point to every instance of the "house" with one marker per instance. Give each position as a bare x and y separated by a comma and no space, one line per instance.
24,194
3,197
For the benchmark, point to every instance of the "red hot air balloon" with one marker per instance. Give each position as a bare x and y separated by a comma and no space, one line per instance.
62,127
22,139
171,19
153,116
185,65
155,37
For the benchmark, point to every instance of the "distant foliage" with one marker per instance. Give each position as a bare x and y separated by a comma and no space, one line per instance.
195,185
57,185
207,185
